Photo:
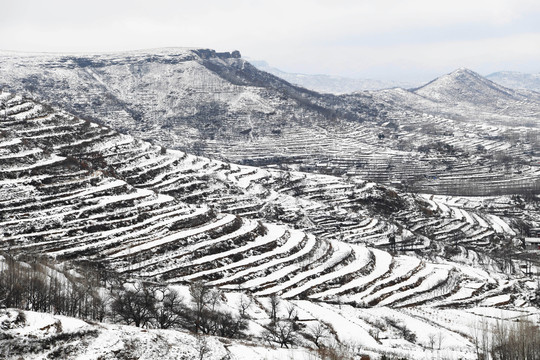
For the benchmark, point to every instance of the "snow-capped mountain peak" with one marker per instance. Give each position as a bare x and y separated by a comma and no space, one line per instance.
464,85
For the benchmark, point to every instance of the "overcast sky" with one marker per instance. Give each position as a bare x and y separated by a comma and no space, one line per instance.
383,39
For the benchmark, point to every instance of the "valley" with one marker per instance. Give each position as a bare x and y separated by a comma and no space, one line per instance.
388,220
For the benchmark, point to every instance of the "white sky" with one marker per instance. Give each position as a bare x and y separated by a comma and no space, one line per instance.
385,39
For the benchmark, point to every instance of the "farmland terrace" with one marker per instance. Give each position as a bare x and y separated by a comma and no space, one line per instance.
71,188
346,252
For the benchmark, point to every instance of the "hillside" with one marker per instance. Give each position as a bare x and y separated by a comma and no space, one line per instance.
464,85
48,336
220,106
175,96
363,260
470,92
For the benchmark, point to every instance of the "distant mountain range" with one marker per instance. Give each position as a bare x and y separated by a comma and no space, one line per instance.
516,80
331,84
343,85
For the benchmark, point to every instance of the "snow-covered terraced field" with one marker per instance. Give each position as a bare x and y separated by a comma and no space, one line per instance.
328,206
74,190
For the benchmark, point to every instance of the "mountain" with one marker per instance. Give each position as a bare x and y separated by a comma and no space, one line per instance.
328,83
464,85
516,80
177,96
471,97
220,106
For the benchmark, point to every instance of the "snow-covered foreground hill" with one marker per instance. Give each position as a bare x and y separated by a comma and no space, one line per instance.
443,333
44,336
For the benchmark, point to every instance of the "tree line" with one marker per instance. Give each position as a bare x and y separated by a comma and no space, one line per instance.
146,305
37,285
506,340
91,293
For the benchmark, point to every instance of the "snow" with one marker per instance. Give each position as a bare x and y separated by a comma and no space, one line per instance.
481,221
360,261
341,250
251,352
466,291
423,329
500,224
35,110
247,227
140,193
430,278
403,267
292,241
13,141
496,300
21,154
145,228
251,101
274,233
175,237
36,321
383,261
53,159
349,330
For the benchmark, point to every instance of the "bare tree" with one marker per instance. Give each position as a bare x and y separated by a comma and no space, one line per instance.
481,339
520,340
316,334
200,297
228,325
292,312
274,307
431,339
135,306
281,332
244,303
440,339
171,310
202,346
206,316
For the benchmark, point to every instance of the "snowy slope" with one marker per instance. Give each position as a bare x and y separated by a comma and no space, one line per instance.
464,86
42,336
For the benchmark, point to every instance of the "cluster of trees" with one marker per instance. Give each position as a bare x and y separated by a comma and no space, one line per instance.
38,285
153,306
439,147
286,329
507,341
34,285
518,341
